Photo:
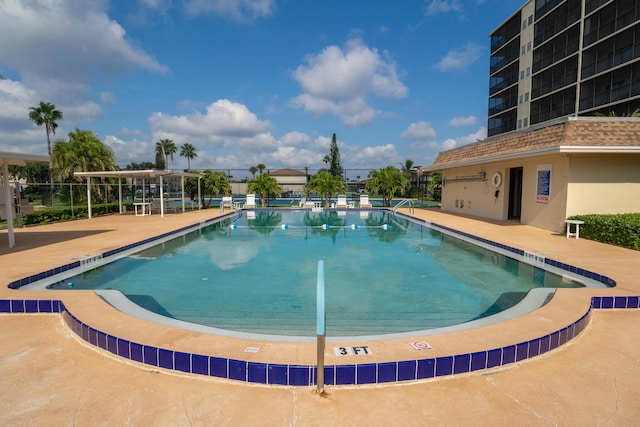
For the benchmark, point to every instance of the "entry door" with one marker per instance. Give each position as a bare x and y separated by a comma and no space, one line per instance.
515,193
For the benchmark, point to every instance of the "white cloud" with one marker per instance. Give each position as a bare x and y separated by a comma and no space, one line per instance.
460,59
338,81
419,131
237,10
442,6
381,155
57,47
476,136
135,150
222,118
463,121
107,97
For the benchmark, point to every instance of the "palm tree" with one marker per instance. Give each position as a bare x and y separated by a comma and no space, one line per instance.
253,170
264,185
213,183
83,152
261,167
189,152
166,149
387,181
325,184
47,115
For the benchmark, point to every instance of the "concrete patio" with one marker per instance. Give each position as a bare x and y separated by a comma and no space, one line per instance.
51,377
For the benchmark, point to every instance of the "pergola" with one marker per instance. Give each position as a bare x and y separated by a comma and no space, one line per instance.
144,175
18,159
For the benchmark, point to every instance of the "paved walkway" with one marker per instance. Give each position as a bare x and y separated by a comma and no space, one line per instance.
49,377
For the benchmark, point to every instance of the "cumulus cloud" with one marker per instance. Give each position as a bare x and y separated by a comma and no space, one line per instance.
378,155
236,10
460,59
463,121
476,136
340,81
222,118
436,7
419,131
57,47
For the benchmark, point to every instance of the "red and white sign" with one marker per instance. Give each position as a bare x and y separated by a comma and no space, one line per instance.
421,345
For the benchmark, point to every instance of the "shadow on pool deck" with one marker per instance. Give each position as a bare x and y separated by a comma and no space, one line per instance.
49,377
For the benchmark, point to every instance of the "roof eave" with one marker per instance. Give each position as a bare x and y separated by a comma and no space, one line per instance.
563,149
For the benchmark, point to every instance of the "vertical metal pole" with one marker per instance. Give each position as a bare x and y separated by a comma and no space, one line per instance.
320,327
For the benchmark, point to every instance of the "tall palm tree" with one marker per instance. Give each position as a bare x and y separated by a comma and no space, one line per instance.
47,115
325,184
189,152
253,170
261,167
264,185
165,148
387,181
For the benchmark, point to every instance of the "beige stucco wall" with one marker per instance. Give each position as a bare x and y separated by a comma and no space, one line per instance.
479,196
580,184
604,184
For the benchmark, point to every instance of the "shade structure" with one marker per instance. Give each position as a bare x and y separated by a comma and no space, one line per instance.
19,159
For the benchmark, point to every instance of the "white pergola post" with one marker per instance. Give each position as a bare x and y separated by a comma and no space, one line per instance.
89,195
182,191
8,204
120,194
199,196
161,198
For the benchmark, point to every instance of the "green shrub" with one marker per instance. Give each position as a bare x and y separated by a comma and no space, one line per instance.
53,214
620,229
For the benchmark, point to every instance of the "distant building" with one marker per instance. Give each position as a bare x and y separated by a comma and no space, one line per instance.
560,58
291,181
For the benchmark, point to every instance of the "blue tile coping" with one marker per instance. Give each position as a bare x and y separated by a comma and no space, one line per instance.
305,375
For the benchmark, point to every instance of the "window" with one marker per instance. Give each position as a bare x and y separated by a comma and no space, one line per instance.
524,24
519,124
528,71
523,50
528,46
521,98
526,122
521,74
526,97
530,20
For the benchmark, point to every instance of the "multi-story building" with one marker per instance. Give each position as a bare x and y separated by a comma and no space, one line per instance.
560,58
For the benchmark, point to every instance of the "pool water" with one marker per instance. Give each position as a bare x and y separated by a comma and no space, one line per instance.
383,274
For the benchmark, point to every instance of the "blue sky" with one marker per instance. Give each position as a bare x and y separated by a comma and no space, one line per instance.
252,81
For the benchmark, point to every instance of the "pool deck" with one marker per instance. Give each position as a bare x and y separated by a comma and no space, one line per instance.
51,377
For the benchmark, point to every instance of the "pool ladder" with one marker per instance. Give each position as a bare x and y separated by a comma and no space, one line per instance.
408,202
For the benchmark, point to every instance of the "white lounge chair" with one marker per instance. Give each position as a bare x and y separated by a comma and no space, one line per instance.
302,202
342,202
251,201
364,201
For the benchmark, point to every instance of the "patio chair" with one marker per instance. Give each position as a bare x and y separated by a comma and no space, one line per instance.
251,201
342,202
364,201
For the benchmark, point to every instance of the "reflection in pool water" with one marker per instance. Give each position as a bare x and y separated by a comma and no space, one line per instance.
383,274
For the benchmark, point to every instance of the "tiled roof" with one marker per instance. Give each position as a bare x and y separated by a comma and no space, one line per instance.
587,133
287,172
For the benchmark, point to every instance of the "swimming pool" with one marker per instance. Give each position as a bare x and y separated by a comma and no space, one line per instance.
384,274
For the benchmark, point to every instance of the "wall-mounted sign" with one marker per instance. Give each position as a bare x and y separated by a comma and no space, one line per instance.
543,184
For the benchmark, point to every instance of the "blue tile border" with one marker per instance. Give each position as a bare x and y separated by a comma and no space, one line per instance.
305,375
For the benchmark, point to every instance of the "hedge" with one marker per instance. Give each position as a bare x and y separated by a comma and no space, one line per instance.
620,229
53,214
